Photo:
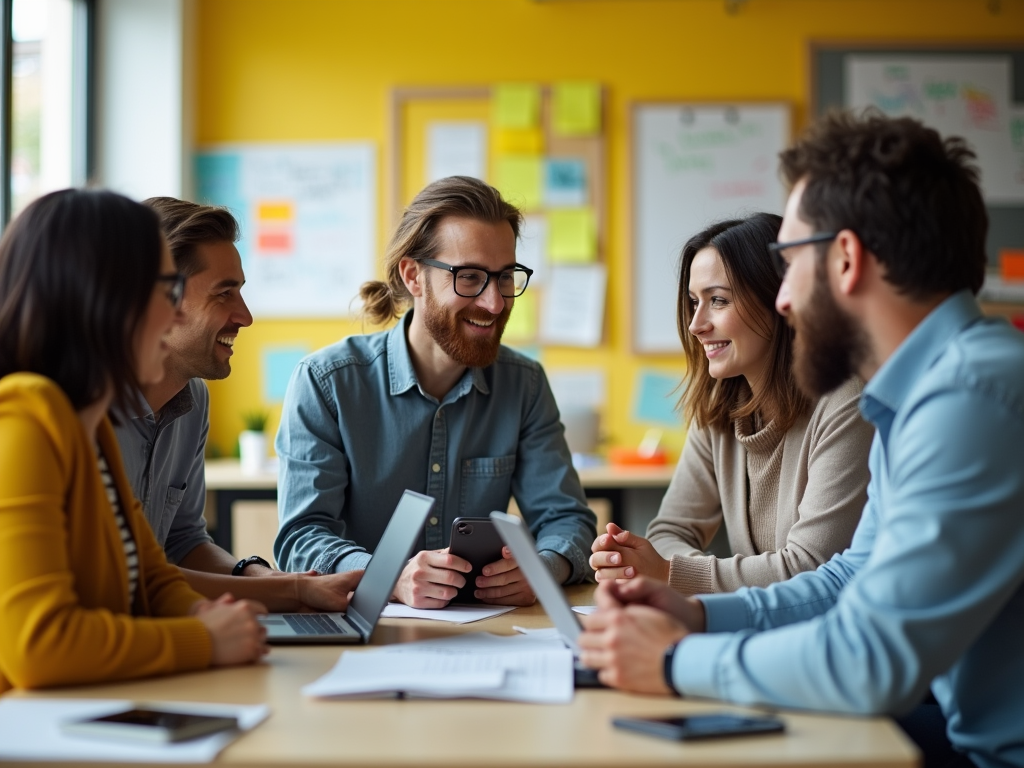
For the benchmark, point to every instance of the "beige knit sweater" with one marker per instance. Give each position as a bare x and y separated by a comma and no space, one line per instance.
809,489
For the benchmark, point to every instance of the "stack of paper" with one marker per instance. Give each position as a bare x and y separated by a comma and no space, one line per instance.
478,665
453,614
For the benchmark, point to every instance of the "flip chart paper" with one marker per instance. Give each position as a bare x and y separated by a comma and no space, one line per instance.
520,179
573,307
456,149
572,236
515,105
576,108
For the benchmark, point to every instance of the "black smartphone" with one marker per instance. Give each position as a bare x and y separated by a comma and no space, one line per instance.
476,540
710,726
150,725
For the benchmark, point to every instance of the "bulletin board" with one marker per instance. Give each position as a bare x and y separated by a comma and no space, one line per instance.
972,91
693,164
564,238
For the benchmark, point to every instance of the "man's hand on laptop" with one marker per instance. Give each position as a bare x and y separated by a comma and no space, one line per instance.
502,583
327,592
431,579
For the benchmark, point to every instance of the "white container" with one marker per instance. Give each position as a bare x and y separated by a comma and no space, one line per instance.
252,449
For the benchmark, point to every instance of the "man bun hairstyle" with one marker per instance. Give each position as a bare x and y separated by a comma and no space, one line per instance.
416,236
187,225
911,196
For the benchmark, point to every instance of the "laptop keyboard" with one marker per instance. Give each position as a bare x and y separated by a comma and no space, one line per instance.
314,624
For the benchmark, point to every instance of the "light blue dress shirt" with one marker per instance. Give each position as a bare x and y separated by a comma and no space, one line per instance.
931,590
357,430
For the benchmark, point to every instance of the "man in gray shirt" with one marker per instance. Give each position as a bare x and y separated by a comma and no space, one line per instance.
163,444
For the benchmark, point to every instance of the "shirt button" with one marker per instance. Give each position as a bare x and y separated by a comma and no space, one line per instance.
436,468
433,521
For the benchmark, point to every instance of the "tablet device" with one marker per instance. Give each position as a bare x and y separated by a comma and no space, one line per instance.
709,726
476,540
150,725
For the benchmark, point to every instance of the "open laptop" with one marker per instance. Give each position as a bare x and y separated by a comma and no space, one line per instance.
517,538
374,590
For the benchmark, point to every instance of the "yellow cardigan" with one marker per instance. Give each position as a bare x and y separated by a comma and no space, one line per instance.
64,613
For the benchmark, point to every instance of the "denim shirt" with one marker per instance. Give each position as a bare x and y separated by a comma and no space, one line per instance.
165,465
357,430
931,590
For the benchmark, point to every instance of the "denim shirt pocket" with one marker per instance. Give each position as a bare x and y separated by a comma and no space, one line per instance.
486,485
172,501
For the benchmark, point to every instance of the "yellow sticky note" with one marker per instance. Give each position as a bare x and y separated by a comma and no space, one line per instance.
515,105
275,211
572,236
520,179
518,141
522,323
576,108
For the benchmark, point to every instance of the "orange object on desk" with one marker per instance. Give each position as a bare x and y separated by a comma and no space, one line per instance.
631,457
1011,264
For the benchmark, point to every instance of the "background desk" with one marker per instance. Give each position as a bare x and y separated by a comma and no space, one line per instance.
389,733
227,484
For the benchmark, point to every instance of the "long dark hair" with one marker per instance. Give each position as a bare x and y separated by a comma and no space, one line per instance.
77,269
743,247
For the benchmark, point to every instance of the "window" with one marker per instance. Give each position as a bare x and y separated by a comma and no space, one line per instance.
47,99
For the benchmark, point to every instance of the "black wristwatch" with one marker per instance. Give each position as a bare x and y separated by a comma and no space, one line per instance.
250,560
670,653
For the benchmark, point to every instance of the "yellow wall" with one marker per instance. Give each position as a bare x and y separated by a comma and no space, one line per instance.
270,70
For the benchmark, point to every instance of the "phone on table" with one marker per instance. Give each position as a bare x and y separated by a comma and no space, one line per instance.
476,540
150,725
709,726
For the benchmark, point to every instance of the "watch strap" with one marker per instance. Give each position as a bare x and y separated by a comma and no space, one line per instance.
670,654
250,560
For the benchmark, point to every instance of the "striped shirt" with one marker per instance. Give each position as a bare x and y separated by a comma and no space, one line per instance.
131,555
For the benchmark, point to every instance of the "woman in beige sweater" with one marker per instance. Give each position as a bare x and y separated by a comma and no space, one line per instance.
787,476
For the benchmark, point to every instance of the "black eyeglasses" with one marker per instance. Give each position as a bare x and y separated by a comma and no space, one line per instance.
470,282
776,249
176,287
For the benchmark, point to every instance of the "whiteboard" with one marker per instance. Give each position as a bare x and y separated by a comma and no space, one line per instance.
968,97
308,215
694,165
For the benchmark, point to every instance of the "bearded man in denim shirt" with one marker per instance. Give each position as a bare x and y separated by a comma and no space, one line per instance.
435,405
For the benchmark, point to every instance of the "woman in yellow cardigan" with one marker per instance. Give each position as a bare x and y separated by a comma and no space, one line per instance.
87,291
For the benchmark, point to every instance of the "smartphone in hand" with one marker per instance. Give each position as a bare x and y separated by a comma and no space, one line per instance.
708,726
476,540
150,725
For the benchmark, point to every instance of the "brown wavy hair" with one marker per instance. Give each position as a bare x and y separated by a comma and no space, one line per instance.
188,225
742,245
416,236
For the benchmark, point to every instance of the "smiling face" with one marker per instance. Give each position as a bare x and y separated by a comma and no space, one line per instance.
150,348
732,346
214,311
468,330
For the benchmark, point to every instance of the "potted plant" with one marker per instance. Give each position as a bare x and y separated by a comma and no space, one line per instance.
252,442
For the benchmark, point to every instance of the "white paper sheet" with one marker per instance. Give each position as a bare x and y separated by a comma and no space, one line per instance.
453,614
456,149
30,730
533,669
584,610
573,310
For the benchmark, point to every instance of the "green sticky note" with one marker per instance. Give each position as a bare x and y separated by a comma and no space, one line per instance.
515,105
520,179
522,323
572,236
576,109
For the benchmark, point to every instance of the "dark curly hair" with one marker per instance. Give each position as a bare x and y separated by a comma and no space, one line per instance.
911,196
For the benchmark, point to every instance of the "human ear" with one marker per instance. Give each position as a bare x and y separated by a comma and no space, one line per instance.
846,261
411,274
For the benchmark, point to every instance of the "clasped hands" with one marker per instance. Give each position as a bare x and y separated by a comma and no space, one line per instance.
432,578
619,554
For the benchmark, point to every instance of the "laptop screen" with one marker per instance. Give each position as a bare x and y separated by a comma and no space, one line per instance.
390,557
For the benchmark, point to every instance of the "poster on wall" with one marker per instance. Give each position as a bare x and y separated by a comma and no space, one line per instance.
308,214
968,97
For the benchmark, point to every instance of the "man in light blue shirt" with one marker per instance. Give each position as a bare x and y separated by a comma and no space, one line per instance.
883,242
435,405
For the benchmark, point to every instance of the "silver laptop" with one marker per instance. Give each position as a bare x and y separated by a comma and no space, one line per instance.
374,590
548,591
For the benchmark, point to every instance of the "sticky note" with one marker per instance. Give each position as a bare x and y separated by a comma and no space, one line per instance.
656,396
565,182
282,212
572,236
278,364
518,141
576,108
515,105
522,323
520,179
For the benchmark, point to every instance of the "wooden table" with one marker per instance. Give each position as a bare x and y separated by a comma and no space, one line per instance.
225,479
385,733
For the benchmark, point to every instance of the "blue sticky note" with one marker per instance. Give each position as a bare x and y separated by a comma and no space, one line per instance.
278,364
656,398
565,183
